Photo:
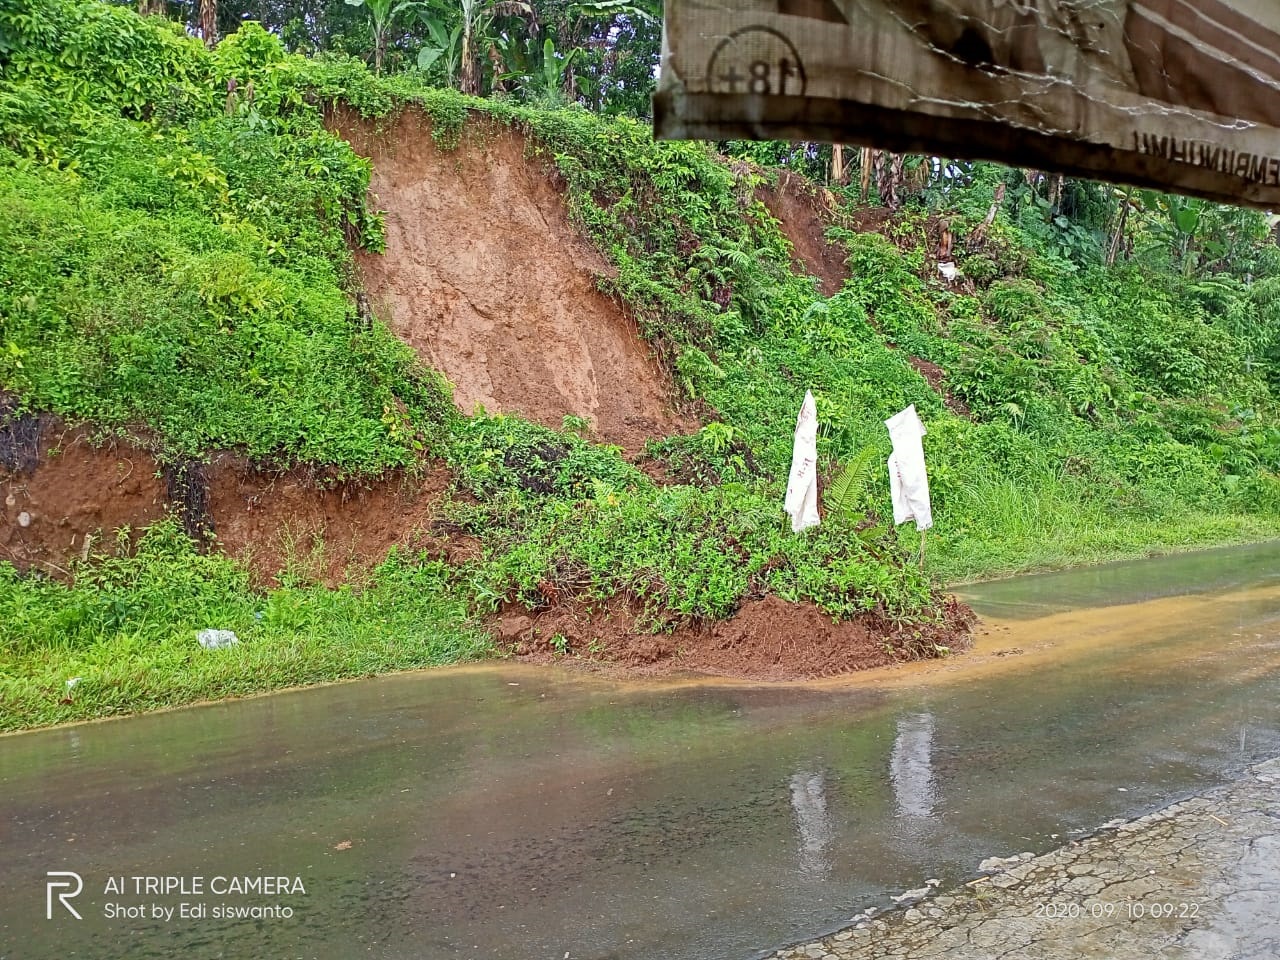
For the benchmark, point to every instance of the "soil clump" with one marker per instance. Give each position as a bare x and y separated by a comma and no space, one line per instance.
767,639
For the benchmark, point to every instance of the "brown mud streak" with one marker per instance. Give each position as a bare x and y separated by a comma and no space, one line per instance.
937,379
767,639
489,282
797,206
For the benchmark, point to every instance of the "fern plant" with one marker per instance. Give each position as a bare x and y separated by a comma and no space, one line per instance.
843,498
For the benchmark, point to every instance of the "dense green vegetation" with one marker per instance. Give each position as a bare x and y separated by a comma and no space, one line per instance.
176,227
599,53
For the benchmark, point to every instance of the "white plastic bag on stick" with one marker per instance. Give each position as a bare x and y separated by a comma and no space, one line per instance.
802,486
908,481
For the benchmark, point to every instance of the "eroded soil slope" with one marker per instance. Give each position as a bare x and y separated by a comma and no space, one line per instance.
57,490
286,521
488,280
798,207
61,496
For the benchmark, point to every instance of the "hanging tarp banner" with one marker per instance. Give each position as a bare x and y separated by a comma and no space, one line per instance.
1182,95
801,502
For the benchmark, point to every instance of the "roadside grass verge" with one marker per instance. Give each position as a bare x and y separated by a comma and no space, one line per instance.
996,527
127,629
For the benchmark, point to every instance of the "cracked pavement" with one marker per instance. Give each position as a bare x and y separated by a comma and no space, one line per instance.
1198,880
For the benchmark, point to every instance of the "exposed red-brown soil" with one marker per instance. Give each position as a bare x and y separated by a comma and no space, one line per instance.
872,219
937,379
800,209
804,210
70,491
487,279
70,496
277,521
767,639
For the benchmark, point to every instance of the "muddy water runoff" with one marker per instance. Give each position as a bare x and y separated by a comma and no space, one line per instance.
503,812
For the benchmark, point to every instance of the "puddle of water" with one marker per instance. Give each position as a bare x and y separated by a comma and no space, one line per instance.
1111,584
510,812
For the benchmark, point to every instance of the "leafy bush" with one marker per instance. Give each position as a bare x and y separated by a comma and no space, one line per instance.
688,553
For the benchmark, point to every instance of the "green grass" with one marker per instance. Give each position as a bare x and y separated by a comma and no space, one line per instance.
127,628
998,527
688,553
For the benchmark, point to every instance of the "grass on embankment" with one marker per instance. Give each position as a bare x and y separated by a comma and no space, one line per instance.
127,629
973,561
999,528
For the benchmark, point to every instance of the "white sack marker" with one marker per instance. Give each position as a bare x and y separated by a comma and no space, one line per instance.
908,481
802,486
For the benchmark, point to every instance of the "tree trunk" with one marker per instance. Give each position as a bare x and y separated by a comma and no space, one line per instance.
379,47
996,201
898,179
1055,191
975,238
148,7
570,84
889,179
865,160
499,67
837,164
209,22
1114,247
922,175
468,72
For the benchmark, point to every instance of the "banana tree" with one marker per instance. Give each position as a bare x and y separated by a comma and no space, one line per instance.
477,19
582,19
443,47
1178,224
209,22
540,71
382,13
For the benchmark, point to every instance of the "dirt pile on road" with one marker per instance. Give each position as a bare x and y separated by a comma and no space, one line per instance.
767,639
486,278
